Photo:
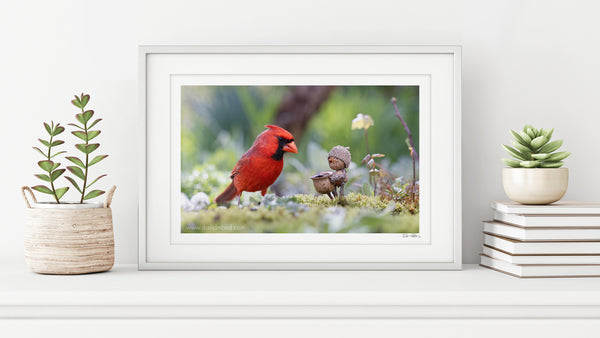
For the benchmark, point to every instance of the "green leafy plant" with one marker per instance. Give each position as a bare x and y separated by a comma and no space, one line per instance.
49,166
81,168
532,149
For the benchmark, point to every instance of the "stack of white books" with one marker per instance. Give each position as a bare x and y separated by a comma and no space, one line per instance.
556,240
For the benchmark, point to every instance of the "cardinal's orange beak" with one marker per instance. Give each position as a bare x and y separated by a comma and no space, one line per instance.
290,147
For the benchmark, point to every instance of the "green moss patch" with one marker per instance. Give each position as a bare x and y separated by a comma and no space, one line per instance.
357,213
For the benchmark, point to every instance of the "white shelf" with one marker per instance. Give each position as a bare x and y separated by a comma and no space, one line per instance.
124,292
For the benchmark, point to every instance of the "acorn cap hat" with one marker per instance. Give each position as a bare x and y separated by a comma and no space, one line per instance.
343,153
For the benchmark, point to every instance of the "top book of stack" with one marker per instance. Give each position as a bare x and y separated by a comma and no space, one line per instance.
560,214
556,215
558,208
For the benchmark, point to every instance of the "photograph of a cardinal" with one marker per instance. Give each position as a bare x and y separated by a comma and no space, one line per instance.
261,165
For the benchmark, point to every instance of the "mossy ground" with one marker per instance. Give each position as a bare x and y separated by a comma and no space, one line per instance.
357,213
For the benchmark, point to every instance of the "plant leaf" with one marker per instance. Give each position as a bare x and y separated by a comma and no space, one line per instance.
60,152
76,161
61,191
530,132
46,165
41,152
552,164
56,174
523,149
515,153
91,147
527,126
540,157
81,147
43,177
76,102
550,147
548,133
79,117
538,142
72,180
93,193
48,129
44,142
79,134
94,123
518,138
87,115
530,164
525,137
511,162
74,125
76,171
97,159
561,155
85,99
43,188
92,134
97,178
58,130
56,165
57,143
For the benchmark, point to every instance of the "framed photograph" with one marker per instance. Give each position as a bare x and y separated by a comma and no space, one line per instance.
300,157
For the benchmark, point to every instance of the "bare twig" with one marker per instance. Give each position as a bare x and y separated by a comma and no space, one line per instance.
412,187
413,151
410,138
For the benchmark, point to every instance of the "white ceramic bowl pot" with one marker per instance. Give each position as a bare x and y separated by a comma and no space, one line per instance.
68,238
535,185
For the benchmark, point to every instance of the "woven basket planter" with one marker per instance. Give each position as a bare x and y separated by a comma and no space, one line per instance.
69,241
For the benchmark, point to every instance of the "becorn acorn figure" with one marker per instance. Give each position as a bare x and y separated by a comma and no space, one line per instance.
327,182
339,160
260,166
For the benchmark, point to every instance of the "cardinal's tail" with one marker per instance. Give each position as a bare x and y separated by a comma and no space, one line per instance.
227,195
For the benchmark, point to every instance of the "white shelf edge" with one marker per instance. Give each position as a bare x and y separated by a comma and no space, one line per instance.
29,296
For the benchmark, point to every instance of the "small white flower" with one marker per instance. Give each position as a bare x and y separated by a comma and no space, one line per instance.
362,122
185,203
199,201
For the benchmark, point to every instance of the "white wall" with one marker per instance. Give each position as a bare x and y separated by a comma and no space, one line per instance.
523,62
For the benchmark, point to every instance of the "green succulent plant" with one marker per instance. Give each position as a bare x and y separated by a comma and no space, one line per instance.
81,167
532,149
52,169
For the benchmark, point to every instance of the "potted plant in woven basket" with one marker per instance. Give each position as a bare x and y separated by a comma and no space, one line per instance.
69,237
535,175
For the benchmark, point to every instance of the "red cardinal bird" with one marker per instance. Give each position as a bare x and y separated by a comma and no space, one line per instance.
260,166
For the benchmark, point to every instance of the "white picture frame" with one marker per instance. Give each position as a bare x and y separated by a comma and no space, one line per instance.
437,69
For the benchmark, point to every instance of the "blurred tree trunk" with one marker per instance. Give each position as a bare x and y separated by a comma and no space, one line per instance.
299,105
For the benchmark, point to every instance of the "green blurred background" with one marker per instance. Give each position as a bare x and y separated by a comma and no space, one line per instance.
219,123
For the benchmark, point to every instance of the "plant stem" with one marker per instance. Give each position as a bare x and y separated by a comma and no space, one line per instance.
85,175
50,173
375,185
410,138
367,141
